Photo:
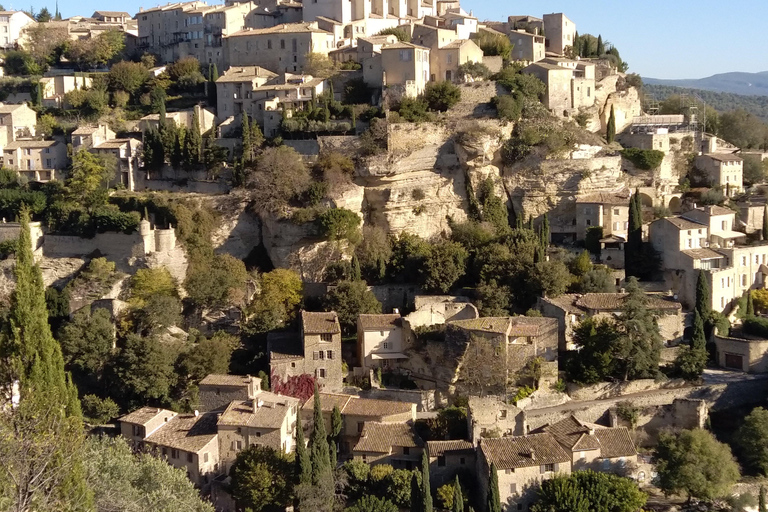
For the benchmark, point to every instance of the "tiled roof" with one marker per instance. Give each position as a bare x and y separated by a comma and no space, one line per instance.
493,324
613,198
186,432
615,442
270,414
614,301
215,379
144,415
328,401
320,323
379,322
400,45
702,254
381,437
523,451
458,43
570,432
716,210
566,302
438,448
7,109
682,223
31,144
356,406
87,129
530,326
113,14
724,157
245,73
114,143
284,28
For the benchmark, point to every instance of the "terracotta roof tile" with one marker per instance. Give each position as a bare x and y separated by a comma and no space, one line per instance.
356,406
186,432
284,28
702,254
379,322
439,448
620,198
320,323
523,451
614,302
270,414
682,223
144,415
570,432
492,324
381,437
531,326
615,442
225,380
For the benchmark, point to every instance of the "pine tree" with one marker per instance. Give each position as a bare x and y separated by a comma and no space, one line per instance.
765,223
494,499
703,296
750,304
416,501
600,46
426,491
611,128
318,445
40,438
458,498
303,464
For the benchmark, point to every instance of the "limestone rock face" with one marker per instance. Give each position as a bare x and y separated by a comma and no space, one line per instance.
239,230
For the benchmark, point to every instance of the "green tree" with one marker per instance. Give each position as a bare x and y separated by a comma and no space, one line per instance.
752,440
441,96
458,497
41,438
444,265
589,491
278,176
764,231
640,343
416,499
690,362
398,32
87,342
336,423
340,224
750,304
207,356
350,299
127,76
600,45
493,209
493,44
494,499
633,247
303,469
261,479
372,504
89,177
611,128
694,464
426,490
151,282
320,495
144,370
593,362
278,301
193,143
703,295
99,411
216,281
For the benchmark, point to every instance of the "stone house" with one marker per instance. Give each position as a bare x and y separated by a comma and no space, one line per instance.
528,47
171,31
319,354
16,122
380,340
558,81
266,419
11,25
439,309
118,17
188,442
216,391
143,422
703,239
404,67
282,49
223,20
595,447
530,24
742,352
446,60
355,413
522,463
88,135
206,119
234,89
458,20
608,210
490,416
724,170
127,155
367,47
560,32
55,87
395,444
447,458
37,160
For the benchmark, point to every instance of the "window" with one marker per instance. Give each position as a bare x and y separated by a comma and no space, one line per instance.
512,488
205,457
258,434
174,453
548,468
406,450
269,44
509,471
282,44
190,458
743,279
327,337
329,354
239,445
615,211
321,354
725,225
385,345
321,373
589,222
582,455
294,45
743,261
462,461
441,460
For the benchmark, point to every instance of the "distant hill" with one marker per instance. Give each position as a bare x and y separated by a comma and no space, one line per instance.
748,84
720,101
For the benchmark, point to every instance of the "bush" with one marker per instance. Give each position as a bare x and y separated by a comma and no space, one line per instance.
507,107
413,110
474,70
339,224
441,96
755,325
399,33
99,410
493,44
646,159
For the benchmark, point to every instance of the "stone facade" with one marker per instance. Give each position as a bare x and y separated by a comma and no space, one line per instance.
746,354
37,160
217,391
560,32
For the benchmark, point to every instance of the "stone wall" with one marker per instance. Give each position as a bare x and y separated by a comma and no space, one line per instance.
308,147
114,246
605,390
424,399
200,187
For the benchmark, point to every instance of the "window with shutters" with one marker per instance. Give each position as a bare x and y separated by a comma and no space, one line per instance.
330,354
314,355
547,468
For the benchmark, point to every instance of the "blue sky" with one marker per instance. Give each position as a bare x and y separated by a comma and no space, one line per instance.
658,38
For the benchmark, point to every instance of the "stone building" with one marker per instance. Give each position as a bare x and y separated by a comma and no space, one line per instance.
380,340
742,352
522,463
54,88
181,118
723,170
37,160
528,47
439,309
445,61
16,122
127,157
395,444
560,32
217,391
318,355
447,458
88,136
404,66
490,416
608,210
12,24
141,423
570,84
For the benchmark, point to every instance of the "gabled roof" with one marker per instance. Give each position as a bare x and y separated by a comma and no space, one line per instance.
379,322
490,324
523,451
186,432
245,74
145,415
615,301
702,254
116,143
32,144
620,198
575,435
400,45
530,326
439,448
724,157
682,223
269,414
284,28
215,379
381,437
357,406
112,14
713,210
320,323
7,109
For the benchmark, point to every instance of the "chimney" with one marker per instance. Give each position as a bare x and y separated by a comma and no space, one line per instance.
532,453
591,431
257,403
197,413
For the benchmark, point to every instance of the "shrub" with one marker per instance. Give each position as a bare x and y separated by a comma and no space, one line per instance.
314,193
120,98
755,325
413,110
646,159
339,224
507,107
441,96
399,33
474,70
374,140
99,410
494,44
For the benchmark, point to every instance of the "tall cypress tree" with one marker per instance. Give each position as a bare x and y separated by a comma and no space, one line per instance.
247,139
634,245
356,274
41,437
611,128
458,498
303,464
750,304
193,143
600,45
703,296
426,492
544,232
318,445
416,501
494,499
765,223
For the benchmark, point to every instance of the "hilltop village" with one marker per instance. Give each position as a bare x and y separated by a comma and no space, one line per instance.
370,255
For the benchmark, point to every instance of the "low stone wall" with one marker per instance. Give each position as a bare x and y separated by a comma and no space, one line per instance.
424,399
605,390
304,147
200,187
113,246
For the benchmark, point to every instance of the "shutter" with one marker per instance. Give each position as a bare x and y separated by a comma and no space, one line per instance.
542,469
314,355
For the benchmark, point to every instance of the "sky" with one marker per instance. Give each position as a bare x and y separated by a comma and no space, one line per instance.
658,38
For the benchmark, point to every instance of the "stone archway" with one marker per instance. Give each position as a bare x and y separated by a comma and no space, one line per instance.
646,200
675,204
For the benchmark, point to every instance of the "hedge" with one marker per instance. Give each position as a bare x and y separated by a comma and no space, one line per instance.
646,159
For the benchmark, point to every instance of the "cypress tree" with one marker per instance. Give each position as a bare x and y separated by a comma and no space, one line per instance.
332,453
247,139
691,362
193,143
162,114
356,273
702,296
415,493
303,464
611,128
318,445
458,498
48,412
336,422
494,499
177,155
426,492
544,233
750,304
761,501
634,244
577,45
765,223
600,45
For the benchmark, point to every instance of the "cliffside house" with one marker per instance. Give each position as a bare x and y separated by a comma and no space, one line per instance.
489,416
12,24
317,354
724,170
141,423
16,122
522,463
127,157
395,444
447,458
88,135
439,309
528,48
37,160
570,84
355,413
380,340
608,210
403,67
